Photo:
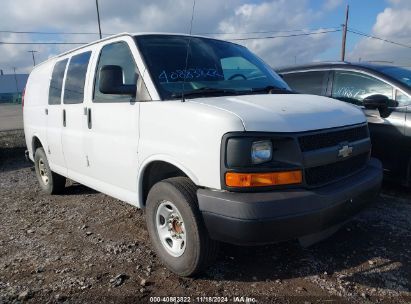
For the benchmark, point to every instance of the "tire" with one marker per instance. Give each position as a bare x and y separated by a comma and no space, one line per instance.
50,182
195,250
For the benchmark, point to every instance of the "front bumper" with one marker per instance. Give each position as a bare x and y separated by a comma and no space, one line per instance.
275,216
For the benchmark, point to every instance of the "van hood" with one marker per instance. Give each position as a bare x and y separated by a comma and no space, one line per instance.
286,112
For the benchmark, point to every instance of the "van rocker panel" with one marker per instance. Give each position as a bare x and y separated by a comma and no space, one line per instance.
275,216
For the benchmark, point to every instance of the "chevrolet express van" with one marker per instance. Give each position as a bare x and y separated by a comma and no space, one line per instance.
203,136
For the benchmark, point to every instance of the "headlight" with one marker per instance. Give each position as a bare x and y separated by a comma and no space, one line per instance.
261,151
248,161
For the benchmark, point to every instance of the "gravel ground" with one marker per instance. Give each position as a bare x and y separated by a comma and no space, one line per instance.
86,247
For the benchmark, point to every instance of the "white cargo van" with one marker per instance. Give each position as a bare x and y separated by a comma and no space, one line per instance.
204,136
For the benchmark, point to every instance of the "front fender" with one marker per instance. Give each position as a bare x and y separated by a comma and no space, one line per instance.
164,158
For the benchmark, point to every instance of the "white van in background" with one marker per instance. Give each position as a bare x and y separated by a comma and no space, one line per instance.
203,135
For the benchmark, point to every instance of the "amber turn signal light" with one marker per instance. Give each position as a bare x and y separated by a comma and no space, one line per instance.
233,179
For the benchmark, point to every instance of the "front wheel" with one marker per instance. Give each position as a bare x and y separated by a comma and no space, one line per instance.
50,182
176,228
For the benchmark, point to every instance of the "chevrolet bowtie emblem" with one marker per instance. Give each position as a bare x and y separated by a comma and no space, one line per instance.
345,151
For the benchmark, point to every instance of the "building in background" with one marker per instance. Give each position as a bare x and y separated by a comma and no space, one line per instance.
11,87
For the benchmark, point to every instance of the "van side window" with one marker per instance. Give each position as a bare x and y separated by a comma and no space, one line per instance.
76,78
116,54
353,87
56,83
307,82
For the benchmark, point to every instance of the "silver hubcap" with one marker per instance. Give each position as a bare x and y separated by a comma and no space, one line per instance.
170,228
43,172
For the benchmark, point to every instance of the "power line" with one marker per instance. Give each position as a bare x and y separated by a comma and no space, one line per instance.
351,30
39,43
285,36
232,39
201,33
267,32
52,33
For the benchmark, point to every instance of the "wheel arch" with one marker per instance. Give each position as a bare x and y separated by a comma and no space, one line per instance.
156,169
36,143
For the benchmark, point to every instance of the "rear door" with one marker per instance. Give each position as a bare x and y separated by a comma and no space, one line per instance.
55,119
387,130
74,116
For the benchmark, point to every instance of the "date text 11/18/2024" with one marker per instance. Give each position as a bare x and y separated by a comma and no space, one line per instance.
203,299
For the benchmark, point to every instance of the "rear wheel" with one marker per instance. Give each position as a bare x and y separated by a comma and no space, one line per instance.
50,182
176,228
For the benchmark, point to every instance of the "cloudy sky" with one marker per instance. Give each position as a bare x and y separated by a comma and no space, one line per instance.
230,19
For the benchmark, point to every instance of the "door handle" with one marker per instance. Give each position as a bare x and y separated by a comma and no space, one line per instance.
89,122
64,118
46,111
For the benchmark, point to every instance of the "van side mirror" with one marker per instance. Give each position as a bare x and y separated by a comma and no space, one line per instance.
111,81
376,101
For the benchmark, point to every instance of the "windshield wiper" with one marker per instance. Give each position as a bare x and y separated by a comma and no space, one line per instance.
272,90
209,91
205,91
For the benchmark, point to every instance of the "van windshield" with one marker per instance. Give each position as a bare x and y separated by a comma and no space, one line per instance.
214,67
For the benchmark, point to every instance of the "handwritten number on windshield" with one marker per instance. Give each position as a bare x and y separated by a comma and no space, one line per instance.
163,76
189,74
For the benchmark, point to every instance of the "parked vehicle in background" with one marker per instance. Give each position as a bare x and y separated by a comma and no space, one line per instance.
382,91
203,135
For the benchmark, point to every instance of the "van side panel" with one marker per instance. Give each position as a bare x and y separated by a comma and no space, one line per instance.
35,105
179,133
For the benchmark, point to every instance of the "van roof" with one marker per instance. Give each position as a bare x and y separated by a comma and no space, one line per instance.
120,35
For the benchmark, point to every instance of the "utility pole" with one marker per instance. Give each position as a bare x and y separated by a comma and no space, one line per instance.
98,20
15,79
344,34
32,53
17,86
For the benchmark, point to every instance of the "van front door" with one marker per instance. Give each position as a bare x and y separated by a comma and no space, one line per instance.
54,113
113,128
74,119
